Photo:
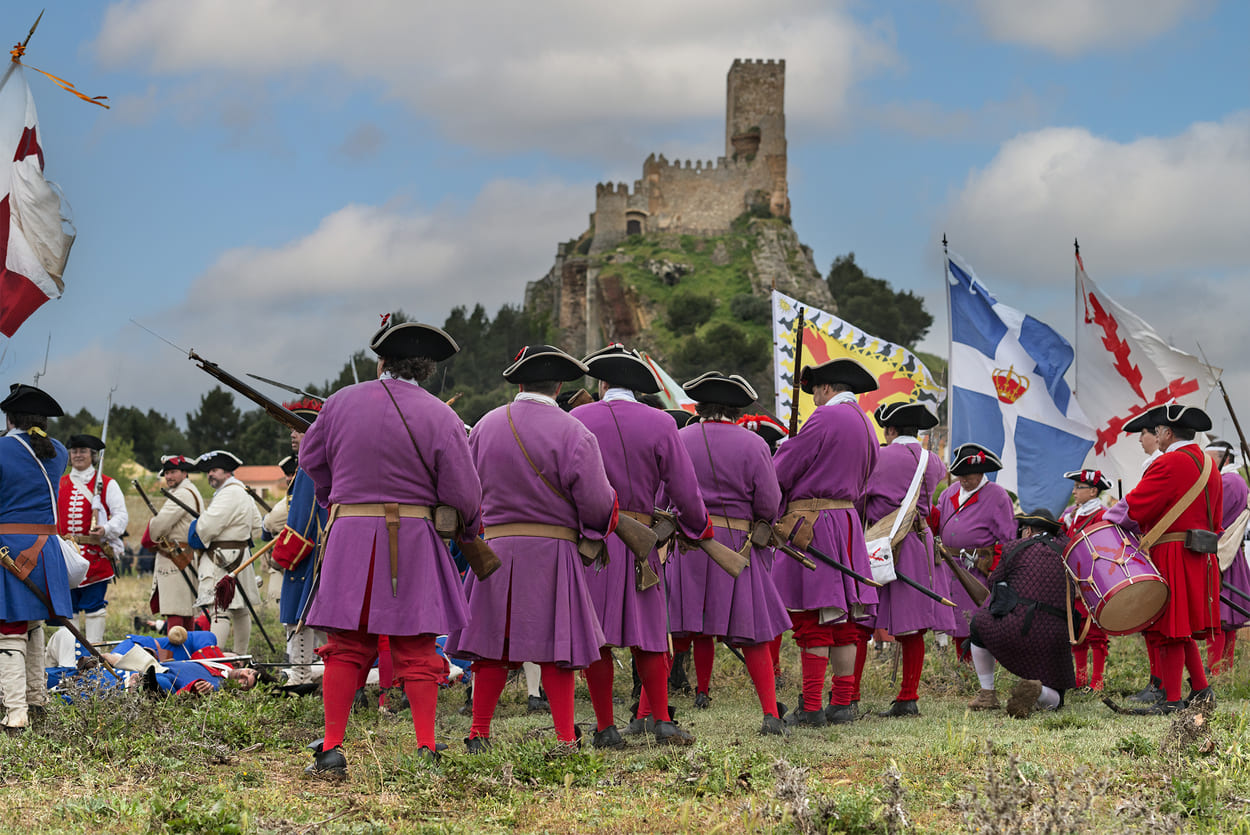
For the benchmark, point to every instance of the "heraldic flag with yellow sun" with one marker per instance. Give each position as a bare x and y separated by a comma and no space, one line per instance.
1008,393
901,377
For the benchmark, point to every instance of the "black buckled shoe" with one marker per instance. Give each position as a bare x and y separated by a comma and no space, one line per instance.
702,701
901,707
326,765
1160,709
433,756
637,727
609,737
477,744
810,718
537,704
670,733
773,726
841,714
1151,694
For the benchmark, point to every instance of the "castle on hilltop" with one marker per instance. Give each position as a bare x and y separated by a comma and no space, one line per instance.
700,198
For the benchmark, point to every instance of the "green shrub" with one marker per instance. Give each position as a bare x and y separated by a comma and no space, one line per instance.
686,311
749,308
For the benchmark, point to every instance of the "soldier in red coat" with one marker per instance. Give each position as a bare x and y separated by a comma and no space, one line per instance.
94,516
1180,549
1087,510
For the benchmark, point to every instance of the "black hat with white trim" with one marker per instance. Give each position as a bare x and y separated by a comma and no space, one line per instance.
412,339
914,414
28,400
1222,448
543,364
974,458
227,461
619,366
1090,478
842,371
1172,414
721,389
289,465
90,442
1042,519
177,462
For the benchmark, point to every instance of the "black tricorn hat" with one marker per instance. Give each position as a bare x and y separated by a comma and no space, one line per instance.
766,426
681,416
844,371
915,414
543,364
412,339
289,465
1040,518
721,389
1092,478
28,400
1173,414
618,366
1223,448
228,461
1139,424
974,458
90,442
177,462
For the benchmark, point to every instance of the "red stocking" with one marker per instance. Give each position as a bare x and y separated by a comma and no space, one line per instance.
814,667
599,677
912,647
489,678
653,670
704,657
1193,665
558,683
759,667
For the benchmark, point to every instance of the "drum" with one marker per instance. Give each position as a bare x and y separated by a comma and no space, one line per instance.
1116,579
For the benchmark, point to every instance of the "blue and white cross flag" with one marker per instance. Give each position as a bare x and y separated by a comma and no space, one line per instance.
1008,393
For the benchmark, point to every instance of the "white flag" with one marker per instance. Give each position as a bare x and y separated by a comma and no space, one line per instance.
33,242
1124,368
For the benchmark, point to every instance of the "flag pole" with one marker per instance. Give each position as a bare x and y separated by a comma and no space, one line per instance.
950,346
1076,316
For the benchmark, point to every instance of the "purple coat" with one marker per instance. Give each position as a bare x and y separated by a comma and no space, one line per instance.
702,597
643,456
1235,492
986,519
536,606
358,451
831,457
902,609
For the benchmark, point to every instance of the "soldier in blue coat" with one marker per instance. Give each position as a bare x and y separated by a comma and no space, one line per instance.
30,466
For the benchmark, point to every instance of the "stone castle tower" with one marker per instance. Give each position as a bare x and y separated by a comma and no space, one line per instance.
702,198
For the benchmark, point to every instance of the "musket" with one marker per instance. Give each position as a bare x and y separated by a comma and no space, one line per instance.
258,499
798,368
1227,586
273,408
246,601
292,389
1238,609
727,558
975,588
1245,448
166,543
11,567
102,515
825,558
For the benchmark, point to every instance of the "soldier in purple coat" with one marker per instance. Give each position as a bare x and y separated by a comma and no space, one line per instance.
975,516
902,611
739,485
642,455
543,490
1223,641
823,471
383,454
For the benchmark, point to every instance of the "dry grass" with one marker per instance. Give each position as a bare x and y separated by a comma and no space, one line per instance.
233,762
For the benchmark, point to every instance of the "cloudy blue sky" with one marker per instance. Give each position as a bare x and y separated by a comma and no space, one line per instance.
273,175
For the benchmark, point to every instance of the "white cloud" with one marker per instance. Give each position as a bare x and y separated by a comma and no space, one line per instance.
296,312
504,75
1150,207
1071,27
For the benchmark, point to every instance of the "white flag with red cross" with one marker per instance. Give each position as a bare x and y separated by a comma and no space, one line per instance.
1124,368
34,241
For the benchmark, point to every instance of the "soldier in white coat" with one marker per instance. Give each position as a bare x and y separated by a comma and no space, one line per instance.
225,531
170,525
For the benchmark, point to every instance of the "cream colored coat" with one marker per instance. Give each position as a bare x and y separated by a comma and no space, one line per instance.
176,597
232,515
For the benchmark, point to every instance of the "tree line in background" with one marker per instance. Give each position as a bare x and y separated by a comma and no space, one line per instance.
472,380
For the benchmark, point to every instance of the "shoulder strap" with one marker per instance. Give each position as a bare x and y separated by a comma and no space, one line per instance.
716,478
624,449
408,428
913,492
44,470
517,437
1177,509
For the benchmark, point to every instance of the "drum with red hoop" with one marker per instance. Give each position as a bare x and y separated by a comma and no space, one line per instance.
1116,579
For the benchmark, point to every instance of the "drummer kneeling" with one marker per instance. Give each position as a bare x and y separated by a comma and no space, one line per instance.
1025,625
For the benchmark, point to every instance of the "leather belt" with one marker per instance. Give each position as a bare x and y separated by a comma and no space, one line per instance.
378,509
644,518
22,528
819,504
730,522
85,539
1170,537
535,529
230,544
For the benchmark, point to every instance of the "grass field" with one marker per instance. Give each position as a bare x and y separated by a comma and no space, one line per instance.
233,763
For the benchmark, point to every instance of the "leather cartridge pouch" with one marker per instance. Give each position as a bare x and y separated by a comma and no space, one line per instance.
447,521
1202,541
761,534
592,551
803,535
178,554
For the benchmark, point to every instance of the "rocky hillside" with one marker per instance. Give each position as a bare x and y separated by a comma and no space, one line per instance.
694,303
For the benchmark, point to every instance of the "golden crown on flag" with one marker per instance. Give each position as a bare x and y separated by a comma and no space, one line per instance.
1010,384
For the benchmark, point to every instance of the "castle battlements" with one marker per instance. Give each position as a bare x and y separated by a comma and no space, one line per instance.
705,196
